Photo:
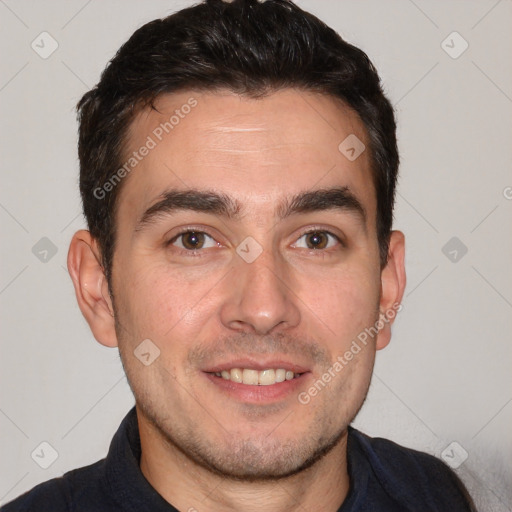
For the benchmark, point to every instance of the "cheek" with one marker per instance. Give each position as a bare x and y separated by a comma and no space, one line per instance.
345,300
158,300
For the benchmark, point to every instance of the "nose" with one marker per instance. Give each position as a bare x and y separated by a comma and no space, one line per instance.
260,298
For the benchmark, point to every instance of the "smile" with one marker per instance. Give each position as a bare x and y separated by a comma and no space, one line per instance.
257,378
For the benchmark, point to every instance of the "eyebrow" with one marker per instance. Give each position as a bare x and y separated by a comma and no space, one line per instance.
214,203
339,198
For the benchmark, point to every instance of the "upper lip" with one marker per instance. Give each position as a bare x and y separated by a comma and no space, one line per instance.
257,364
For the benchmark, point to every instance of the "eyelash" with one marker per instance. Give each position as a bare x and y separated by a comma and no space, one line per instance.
324,231
188,252
198,252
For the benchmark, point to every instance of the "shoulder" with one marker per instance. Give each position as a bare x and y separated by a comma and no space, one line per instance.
81,486
412,476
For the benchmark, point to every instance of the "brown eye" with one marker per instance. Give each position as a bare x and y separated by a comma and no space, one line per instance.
193,240
317,240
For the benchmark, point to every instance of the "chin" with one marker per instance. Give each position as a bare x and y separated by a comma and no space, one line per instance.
251,457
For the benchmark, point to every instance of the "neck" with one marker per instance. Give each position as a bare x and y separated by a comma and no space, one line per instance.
192,488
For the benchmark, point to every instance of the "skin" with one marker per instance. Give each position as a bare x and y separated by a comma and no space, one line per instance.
203,448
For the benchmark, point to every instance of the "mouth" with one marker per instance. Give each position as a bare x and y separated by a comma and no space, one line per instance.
252,377
256,382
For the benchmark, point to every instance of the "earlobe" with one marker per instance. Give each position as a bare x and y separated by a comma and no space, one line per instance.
91,287
392,287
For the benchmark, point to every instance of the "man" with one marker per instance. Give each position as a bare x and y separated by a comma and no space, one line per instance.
238,169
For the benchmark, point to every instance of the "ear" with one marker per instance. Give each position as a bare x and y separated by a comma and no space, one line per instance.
392,287
91,287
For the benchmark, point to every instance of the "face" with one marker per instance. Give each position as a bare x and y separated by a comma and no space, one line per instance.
247,254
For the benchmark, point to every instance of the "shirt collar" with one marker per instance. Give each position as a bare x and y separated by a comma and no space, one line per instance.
124,479
127,485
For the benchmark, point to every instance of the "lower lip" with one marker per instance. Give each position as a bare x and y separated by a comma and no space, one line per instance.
259,394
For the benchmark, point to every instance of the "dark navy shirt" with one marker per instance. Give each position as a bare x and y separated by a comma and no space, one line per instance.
384,477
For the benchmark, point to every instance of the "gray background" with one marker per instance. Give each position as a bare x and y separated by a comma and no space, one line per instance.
446,375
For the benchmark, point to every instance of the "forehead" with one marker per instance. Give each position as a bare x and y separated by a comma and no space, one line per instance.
255,150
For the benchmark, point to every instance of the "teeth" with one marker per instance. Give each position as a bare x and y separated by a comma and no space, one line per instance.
250,377
267,377
280,375
255,378
235,375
